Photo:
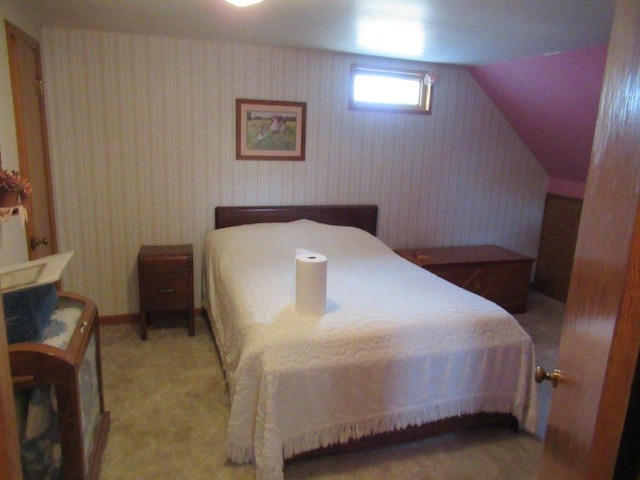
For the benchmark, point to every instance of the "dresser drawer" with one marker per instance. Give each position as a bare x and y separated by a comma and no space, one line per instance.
164,290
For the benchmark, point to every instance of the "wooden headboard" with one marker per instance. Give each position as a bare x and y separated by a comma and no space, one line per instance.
361,216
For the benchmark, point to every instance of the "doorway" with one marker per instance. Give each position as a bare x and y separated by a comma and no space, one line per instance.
33,148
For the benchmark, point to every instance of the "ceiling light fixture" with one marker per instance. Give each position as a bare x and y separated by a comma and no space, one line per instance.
243,3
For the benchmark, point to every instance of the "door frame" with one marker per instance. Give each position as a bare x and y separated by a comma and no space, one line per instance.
14,35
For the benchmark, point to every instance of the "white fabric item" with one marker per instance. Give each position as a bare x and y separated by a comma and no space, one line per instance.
398,346
7,212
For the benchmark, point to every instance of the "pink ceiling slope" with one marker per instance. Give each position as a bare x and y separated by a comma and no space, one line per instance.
551,101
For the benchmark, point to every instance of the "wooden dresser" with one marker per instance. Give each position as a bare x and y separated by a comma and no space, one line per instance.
493,272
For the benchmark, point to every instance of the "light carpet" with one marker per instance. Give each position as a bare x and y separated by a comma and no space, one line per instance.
169,410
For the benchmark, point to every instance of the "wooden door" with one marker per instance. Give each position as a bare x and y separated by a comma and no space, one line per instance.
33,150
601,332
10,466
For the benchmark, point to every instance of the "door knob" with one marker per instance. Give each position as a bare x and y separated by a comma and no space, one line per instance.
542,375
34,242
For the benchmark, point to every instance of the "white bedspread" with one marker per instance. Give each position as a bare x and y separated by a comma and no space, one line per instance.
398,346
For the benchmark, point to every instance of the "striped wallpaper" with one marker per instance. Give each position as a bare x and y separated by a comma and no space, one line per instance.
142,135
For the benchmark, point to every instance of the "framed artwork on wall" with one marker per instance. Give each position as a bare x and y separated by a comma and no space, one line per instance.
270,130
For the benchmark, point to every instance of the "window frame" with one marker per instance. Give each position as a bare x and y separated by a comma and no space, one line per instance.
426,90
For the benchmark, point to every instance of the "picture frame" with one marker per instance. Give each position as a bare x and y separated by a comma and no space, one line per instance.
270,130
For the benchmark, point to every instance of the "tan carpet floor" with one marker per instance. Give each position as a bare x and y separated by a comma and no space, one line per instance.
169,409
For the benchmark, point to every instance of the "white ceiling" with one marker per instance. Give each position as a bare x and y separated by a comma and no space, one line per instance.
468,32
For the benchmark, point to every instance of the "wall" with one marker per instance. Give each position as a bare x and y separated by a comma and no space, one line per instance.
12,238
143,148
552,102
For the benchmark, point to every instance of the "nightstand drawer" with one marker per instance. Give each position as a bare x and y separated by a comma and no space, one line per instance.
164,290
165,258
152,264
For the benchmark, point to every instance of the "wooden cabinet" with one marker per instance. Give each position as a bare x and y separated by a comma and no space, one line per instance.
557,249
493,272
67,365
165,276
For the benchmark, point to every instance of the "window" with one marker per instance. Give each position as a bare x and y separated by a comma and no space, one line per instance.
390,90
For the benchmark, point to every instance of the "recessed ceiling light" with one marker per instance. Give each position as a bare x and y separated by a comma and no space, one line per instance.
243,3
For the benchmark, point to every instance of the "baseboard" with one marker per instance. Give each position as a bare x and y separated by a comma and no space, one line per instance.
119,319
132,318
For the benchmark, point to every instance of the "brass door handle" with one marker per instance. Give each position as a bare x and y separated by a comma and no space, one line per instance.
542,375
34,242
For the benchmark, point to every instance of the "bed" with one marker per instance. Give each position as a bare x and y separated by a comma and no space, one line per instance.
399,352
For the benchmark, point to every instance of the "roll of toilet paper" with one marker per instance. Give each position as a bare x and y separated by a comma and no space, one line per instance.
311,283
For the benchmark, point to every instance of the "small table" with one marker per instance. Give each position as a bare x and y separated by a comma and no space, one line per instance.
493,272
165,276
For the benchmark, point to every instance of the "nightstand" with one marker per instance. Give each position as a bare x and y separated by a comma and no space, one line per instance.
493,272
165,276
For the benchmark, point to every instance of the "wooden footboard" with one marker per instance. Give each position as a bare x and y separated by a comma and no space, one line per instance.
414,432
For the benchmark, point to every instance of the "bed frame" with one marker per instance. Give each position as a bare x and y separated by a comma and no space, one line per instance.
364,217
361,216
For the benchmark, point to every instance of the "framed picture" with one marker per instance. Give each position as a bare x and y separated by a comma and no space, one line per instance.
270,130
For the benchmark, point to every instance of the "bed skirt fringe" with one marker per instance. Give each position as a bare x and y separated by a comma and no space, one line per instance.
270,468
396,421
239,453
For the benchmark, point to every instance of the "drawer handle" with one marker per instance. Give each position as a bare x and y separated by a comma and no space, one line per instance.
23,380
166,290
83,327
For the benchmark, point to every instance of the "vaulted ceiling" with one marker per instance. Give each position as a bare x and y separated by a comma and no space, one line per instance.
550,100
443,31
